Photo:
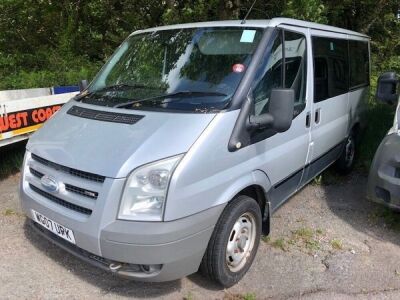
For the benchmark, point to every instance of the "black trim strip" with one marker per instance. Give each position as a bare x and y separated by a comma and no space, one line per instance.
288,178
105,116
307,165
74,207
360,86
74,172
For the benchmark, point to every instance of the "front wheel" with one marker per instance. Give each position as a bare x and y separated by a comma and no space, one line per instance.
345,163
234,242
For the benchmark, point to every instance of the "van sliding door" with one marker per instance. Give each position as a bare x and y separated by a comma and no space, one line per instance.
330,112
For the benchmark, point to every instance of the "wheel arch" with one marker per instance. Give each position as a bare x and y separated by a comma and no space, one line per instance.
258,193
255,185
356,130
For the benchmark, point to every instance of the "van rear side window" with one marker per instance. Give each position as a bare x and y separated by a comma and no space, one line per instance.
359,64
330,68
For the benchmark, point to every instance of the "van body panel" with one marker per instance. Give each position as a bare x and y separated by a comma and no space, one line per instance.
114,150
210,175
358,108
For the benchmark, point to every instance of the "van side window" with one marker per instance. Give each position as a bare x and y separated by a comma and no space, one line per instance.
296,68
271,74
331,65
359,63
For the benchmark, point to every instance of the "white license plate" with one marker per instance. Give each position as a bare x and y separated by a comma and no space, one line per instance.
54,227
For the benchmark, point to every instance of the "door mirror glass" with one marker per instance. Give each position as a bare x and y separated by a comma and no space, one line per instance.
280,111
387,90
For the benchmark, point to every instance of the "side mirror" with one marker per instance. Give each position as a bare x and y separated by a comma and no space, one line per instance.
387,88
280,114
83,84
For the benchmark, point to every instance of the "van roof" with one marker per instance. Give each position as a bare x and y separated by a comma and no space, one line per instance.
257,23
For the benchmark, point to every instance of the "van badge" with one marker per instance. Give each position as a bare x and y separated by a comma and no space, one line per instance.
49,183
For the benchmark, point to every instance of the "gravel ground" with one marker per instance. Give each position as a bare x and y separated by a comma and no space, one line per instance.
327,242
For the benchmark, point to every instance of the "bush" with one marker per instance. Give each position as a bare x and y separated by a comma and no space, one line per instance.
65,72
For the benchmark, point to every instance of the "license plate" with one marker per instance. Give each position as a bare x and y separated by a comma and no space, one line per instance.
54,227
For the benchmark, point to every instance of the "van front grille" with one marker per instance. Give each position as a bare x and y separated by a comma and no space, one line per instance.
61,202
69,187
80,191
36,173
74,172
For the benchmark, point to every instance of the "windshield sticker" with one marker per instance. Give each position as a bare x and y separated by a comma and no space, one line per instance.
238,68
247,36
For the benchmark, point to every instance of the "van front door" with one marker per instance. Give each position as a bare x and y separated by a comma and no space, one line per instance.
330,112
283,155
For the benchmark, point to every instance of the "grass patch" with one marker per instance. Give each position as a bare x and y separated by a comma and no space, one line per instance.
189,296
337,244
11,158
301,238
306,237
328,177
266,238
9,212
247,296
280,244
312,245
389,217
304,233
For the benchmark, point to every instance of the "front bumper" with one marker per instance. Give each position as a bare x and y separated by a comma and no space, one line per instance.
384,176
170,250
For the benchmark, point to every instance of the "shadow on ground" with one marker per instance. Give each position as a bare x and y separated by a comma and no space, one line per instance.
352,206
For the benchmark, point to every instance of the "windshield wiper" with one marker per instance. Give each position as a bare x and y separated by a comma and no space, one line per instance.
115,87
172,95
122,86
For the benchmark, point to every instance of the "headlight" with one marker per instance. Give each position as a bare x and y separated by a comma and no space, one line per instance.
145,191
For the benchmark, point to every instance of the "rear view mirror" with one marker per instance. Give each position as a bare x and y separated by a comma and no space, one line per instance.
280,112
83,84
387,90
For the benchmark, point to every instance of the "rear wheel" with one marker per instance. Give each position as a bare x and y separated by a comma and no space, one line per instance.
345,163
234,242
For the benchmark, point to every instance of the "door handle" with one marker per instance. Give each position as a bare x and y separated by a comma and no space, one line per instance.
308,120
317,116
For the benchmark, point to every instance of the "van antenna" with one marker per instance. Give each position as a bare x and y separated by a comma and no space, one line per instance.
248,12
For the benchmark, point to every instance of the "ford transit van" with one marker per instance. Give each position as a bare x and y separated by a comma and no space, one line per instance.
179,151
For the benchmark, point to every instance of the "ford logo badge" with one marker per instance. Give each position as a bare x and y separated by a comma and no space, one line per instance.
49,183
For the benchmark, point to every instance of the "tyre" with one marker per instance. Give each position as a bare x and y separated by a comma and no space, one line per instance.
234,242
345,163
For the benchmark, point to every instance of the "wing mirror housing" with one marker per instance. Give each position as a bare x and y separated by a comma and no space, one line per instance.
280,112
83,84
388,91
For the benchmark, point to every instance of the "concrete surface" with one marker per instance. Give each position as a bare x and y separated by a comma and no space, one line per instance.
327,242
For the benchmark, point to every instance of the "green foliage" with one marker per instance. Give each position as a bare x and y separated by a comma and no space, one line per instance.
45,42
11,159
309,10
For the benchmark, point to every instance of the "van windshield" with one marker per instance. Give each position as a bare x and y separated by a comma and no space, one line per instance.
192,69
